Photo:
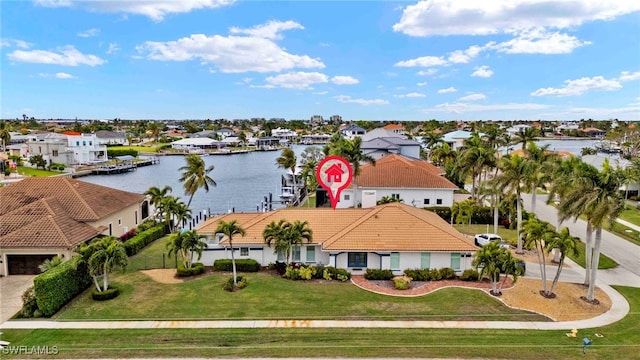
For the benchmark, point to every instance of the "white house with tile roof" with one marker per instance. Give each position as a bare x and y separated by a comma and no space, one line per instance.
393,236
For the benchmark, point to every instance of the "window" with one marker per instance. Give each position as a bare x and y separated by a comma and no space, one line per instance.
455,261
311,254
295,253
90,143
135,215
110,229
77,143
395,196
425,260
426,201
244,251
54,152
395,261
438,201
357,259
346,196
84,143
120,221
280,256
145,209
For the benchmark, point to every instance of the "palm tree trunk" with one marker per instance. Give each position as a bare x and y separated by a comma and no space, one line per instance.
533,200
96,283
557,277
519,222
588,246
594,264
496,212
105,275
544,269
473,185
233,265
190,198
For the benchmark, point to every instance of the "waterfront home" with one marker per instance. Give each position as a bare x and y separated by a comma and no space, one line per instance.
393,236
44,217
52,146
106,137
417,182
352,131
395,128
86,149
196,144
456,139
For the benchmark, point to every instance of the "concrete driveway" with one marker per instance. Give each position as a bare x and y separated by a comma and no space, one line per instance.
11,290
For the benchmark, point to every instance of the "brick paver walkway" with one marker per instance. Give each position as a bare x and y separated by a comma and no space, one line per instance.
361,282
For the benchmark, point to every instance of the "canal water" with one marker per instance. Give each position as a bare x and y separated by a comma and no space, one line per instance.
243,179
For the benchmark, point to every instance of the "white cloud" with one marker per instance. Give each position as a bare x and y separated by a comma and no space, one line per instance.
231,54
67,56
244,81
270,30
297,80
89,33
473,97
629,76
348,100
411,95
580,86
15,42
154,9
427,72
464,56
380,86
482,71
540,41
447,90
113,47
465,107
424,61
422,83
62,75
321,93
471,17
344,80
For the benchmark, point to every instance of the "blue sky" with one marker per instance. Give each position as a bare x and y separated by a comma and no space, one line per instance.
403,60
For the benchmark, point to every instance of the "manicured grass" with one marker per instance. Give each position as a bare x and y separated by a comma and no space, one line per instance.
151,257
27,171
621,341
134,147
511,236
310,202
631,215
626,233
272,297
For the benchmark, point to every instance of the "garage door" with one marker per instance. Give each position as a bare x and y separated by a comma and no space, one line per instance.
25,264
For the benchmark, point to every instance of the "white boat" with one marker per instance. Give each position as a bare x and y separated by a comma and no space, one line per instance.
607,146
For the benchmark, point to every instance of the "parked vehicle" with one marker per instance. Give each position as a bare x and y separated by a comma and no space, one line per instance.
484,239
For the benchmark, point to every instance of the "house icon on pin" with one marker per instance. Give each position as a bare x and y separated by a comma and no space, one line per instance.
334,173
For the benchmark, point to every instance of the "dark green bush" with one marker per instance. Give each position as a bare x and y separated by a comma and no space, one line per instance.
447,273
377,274
56,287
469,275
443,211
332,273
29,304
242,265
108,294
418,274
111,153
195,269
146,225
434,275
242,283
139,241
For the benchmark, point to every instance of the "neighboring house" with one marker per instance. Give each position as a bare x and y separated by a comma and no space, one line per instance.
223,133
456,139
380,142
597,161
392,236
204,134
417,182
515,129
195,144
232,140
106,137
593,132
44,217
395,128
86,149
285,134
352,131
53,148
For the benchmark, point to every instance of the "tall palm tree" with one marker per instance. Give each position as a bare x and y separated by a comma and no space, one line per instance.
103,255
430,140
195,176
526,135
184,245
5,135
230,229
274,233
288,160
539,164
156,194
565,244
493,192
473,159
536,233
351,151
509,181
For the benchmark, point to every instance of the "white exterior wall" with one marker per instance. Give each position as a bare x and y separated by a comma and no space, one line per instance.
86,149
414,197
122,221
411,151
258,252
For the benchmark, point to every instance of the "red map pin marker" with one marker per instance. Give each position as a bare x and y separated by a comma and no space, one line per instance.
334,174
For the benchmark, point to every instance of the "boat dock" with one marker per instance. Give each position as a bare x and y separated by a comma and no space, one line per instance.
124,166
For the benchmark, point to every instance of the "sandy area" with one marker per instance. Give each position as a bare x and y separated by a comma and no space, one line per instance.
165,276
532,256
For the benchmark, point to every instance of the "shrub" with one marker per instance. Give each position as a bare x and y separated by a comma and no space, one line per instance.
447,273
469,275
418,274
146,225
138,242
434,275
29,304
128,235
443,211
242,265
195,269
242,283
57,167
402,282
317,272
331,273
57,286
305,272
376,274
111,153
280,267
108,294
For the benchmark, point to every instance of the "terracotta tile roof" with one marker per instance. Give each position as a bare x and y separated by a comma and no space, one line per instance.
393,127
43,223
397,171
390,227
81,200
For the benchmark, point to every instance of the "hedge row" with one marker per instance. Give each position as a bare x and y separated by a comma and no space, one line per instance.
480,215
138,242
195,269
108,294
376,274
121,152
55,287
430,274
242,265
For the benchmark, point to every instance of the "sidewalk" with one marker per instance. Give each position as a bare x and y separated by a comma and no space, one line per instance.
628,224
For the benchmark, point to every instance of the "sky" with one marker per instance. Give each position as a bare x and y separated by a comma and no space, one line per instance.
363,60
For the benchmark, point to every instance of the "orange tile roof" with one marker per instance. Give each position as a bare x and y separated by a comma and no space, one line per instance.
397,171
390,227
393,127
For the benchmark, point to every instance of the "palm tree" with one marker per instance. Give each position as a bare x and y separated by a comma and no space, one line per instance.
565,244
473,159
462,211
288,160
5,135
172,208
488,261
195,176
526,135
536,233
230,229
509,181
299,232
50,263
352,152
494,193
430,140
185,244
157,195
539,164
442,154
274,233
103,255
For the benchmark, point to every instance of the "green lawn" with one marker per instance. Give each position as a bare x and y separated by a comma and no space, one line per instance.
626,233
621,341
631,215
152,257
511,236
309,202
136,148
27,171
272,297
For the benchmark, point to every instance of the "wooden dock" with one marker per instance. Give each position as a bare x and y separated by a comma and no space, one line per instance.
124,167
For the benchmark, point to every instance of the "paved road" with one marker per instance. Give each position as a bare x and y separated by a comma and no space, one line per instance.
622,251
